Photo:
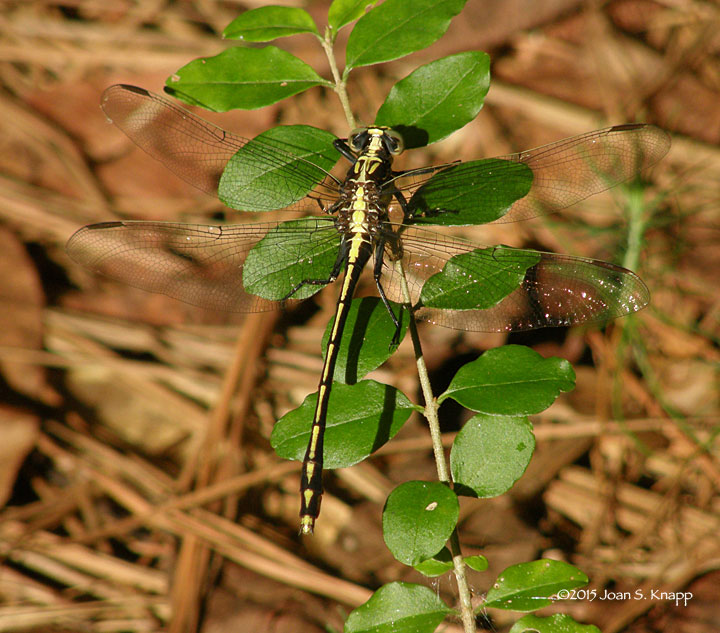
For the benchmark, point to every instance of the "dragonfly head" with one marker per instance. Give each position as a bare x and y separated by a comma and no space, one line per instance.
377,138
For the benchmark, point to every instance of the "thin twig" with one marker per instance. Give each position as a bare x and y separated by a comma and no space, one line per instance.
340,83
431,414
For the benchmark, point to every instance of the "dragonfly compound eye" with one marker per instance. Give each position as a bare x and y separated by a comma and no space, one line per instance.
358,139
395,143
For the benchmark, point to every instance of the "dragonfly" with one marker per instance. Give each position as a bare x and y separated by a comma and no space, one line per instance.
260,266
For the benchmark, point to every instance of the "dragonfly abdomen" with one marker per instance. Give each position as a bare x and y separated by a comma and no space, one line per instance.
311,487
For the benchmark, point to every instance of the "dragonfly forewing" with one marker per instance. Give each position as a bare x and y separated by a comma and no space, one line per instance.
563,173
198,151
574,169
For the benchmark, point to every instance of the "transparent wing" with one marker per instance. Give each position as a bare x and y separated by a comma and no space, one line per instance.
558,290
205,265
564,172
194,149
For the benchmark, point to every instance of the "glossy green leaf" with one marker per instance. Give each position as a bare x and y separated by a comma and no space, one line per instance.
557,623
474,281
476,563
287,256
360,419
490,453
277,168
437,99
366,341
470,193
245,78
342,12
397,28
510,380
418,519
436,565
268,23
530,586
398,607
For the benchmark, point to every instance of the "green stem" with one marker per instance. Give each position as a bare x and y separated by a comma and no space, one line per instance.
340,83
637,219
637,222
431,414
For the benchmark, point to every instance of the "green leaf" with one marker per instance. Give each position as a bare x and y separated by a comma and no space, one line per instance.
289,255
530,586
397,28
470,193
477,562
268,23
343,12
436,565
398,607
245,78
510,380
477,280
558,623
437,98
490,453
277,168
418,519
360,419
366,342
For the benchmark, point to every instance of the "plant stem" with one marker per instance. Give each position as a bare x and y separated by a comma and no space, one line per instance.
637,219
431,405
340,84
637,222
431,414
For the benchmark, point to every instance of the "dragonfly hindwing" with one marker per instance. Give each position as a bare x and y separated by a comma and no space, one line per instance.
475,281
289,254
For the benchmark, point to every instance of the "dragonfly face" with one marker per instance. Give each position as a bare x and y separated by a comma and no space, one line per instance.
254,267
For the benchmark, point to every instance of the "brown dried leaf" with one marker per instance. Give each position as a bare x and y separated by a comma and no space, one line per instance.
22,301
19,432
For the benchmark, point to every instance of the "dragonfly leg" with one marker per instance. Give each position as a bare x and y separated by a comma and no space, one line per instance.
377,272
334,274
341,146
401,200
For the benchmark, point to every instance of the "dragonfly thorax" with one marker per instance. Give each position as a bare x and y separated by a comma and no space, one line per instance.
362,208
363,204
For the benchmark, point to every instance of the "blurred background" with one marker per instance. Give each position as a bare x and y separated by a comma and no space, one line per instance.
139,489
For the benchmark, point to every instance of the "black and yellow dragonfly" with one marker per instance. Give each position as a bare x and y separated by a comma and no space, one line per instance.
457,284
